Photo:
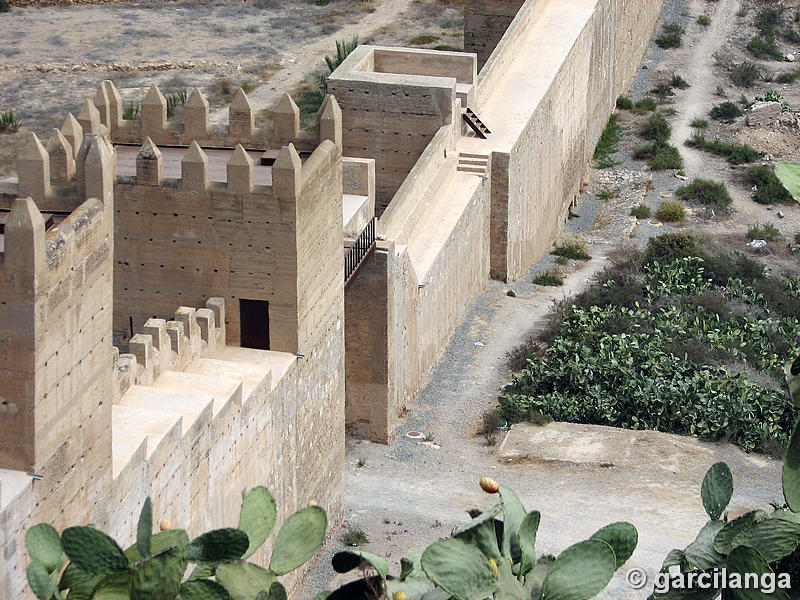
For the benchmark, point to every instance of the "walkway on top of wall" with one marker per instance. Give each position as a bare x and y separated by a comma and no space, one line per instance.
510,100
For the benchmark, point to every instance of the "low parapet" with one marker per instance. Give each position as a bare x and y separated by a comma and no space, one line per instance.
103,113
163,345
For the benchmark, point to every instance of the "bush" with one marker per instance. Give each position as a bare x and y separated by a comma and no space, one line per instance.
574,249
671,211
656,129
668,247
549,278
762,47
767,232
699,123
787,77
640,211
5,6
704,20
674,361
8,121
768,21
646,104
662,90
705,191
726,111
608,143
735,154
769,189
671,36
745,74
660,156
679,82
624,103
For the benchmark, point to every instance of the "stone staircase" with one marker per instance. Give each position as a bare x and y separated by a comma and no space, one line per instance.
476,164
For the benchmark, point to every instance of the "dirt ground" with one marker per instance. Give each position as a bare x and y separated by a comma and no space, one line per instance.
52,57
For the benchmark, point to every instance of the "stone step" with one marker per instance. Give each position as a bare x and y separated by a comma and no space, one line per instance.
474,170
132,425
472,162
473,155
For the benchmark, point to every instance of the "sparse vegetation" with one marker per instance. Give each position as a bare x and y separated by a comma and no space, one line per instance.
671,211
646,104
764,47
354,536
769,189
656,129
706,191
735,154
608,143
768,21
607,194
726,111
704,20
671,36
5,6
767,232
624,103
744,74
8,121
574,249
640,211
549,278
312,93
659,156
699,123
679,82
423,40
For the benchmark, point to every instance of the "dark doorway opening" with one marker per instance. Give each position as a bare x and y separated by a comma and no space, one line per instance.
254,323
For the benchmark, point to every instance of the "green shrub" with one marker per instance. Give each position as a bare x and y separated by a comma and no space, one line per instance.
763,47
735,154
646,104
660,156
656,129
726,111
668,247
704,20
769,189
787,77
574,249
707,192
624,103
671,36
5,6
671,211
608,143
607,194
549,278
679,82
423,40
699,123
662,90
312,93
640,211
745,74
767,232
768,21
8,121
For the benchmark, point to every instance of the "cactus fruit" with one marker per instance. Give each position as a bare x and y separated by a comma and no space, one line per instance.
165,524
312,503
299,538
489,485
493,565
400,596
257,518
717,490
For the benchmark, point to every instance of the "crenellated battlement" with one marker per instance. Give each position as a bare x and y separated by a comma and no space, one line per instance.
103,114
170,345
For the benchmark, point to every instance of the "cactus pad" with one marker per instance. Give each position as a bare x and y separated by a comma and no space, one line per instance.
217,545
244,580
257,517
460,569
299,538
773,538
717,489
791,471
203,589
622,537
580,572
93,551
39,580
347,560
44,546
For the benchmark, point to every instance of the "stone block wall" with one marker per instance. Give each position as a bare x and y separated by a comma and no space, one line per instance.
485,22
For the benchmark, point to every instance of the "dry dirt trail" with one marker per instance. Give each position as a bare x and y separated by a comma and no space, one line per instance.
309,57
699,72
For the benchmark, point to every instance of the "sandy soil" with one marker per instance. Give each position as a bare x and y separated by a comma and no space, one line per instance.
52,57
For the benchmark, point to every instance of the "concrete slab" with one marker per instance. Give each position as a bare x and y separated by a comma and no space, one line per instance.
130,426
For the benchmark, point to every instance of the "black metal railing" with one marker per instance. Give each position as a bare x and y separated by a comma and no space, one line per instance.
359,251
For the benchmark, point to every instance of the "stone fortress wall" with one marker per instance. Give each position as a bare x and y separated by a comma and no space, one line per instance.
201,217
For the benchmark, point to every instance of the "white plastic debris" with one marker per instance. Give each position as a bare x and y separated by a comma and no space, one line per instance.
757,244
